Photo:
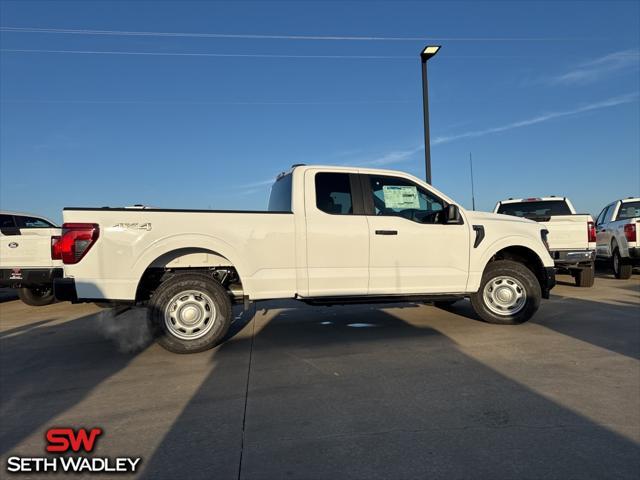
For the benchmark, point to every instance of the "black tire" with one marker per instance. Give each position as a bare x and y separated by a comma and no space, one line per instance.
528,283
196,283
585,277
36,297
623,270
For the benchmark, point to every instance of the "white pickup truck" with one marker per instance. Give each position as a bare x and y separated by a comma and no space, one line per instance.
617,235
572,236
331,235
27,258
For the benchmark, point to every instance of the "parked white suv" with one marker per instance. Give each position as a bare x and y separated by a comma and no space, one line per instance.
572,236
26,260
331,235
617,235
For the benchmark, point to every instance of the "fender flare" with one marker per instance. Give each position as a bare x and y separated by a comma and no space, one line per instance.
171,243
513,241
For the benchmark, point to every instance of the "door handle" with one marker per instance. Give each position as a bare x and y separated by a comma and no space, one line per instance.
386,232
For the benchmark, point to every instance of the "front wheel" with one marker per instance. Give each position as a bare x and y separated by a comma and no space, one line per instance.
36,297
191,312
509,293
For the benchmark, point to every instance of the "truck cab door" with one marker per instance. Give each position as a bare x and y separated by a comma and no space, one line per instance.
603,231
412,251
337,237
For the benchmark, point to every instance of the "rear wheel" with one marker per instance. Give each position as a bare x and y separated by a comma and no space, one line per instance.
191,312
509,293
585,277
621,269
36,297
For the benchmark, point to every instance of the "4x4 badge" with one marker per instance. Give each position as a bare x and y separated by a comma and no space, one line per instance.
133,226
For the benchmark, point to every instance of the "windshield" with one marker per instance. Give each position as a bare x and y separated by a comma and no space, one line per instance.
280,199
535,209
629,210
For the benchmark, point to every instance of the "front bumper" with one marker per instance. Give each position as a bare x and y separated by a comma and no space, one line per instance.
548,281
567,258
64,289
28,277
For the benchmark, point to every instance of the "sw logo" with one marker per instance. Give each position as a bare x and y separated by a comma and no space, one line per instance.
64,440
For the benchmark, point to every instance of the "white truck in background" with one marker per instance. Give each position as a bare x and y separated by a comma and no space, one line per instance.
331,235
26,256
572,236
617,235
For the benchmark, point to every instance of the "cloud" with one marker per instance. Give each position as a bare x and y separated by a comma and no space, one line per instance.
611,102
261,183
594,70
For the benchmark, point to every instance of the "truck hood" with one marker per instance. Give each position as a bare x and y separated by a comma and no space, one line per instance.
496,217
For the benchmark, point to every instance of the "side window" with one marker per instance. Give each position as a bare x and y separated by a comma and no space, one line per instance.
32,222
394,196
6,221
333,193
609,213
601,216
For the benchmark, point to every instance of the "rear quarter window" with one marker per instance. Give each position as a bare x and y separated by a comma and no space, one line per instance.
280,198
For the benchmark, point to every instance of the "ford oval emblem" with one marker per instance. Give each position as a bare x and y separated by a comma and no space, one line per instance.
13,245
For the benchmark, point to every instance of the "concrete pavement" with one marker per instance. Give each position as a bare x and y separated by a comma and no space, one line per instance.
392,391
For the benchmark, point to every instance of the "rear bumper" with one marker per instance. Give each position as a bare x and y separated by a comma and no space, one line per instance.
64,289
548,281
28,277
575,258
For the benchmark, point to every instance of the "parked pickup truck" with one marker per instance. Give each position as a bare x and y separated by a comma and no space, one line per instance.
572,236
617,235
26,258
331,235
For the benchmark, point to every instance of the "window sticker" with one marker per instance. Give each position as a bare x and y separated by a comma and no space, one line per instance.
400,197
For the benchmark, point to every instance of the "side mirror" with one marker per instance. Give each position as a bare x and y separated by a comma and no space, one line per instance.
452,215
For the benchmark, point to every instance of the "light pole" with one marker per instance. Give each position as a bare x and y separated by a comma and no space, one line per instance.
426,53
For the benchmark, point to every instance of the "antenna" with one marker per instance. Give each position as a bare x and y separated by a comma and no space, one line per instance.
473,196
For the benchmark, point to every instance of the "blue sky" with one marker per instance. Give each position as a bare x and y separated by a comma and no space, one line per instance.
201,104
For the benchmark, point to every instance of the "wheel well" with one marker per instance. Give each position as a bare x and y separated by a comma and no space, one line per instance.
527,257
190,260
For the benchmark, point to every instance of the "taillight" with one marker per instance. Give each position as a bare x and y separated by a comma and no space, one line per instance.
630,232
76,241
56,254
591,232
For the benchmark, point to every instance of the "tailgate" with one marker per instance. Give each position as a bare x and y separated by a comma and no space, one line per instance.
30,249
568,232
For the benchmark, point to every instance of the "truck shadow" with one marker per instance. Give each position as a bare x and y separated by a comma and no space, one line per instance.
47,369
612,326
356,392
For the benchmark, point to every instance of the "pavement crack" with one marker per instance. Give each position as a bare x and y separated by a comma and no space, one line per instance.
246,392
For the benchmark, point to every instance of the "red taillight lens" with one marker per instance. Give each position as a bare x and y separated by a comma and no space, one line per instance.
76,241
56,254
630,232
591,232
